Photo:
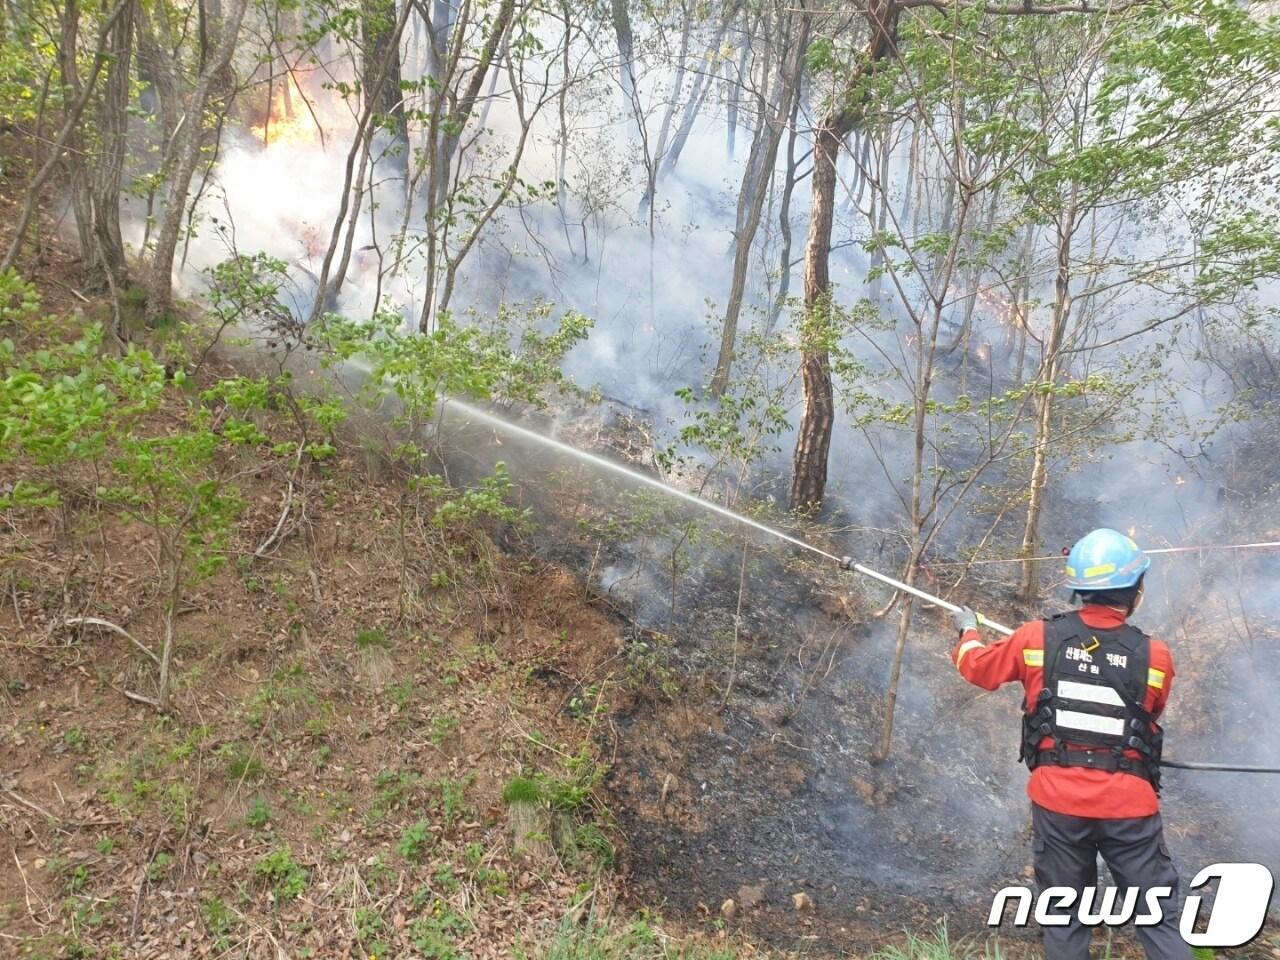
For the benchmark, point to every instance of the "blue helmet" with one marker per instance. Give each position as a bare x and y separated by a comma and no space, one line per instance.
1105,560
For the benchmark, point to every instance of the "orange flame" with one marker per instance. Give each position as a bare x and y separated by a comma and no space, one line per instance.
286,123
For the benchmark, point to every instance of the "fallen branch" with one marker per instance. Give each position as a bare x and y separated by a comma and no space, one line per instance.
31,912
23,801
17,609
108,625
284,513
139,698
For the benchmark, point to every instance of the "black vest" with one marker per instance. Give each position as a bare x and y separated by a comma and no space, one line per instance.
1095,684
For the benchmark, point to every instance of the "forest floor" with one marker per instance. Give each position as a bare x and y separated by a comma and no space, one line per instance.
342,775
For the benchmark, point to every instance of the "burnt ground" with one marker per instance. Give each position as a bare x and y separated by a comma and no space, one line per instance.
744,774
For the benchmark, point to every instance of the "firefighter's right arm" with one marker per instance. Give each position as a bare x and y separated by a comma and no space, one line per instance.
989,665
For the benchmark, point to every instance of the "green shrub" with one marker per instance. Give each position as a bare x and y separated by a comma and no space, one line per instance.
414,841
281,872
259,814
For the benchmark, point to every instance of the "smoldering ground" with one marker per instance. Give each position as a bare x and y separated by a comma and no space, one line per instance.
754,775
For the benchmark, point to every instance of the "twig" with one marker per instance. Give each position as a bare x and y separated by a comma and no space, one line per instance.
284,513
737,623
108,625
30,805
31,912
139,698
17,611
138,897
72,290
141,893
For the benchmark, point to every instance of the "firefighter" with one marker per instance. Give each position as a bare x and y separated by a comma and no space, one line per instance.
1094,686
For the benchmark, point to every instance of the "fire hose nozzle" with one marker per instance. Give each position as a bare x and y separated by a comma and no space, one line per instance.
846,563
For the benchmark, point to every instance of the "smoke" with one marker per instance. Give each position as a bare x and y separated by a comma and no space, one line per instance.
654,280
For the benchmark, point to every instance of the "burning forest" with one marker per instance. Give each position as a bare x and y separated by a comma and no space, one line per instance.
517,479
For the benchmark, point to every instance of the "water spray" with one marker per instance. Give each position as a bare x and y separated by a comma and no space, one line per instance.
1193,548
845,563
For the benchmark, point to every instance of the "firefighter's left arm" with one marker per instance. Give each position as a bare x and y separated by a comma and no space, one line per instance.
1159,677
990,665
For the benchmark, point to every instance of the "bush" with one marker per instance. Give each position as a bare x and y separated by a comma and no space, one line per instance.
279,870
414,841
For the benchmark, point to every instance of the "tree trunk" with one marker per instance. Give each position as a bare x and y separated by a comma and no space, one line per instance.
1029,583
701,84
382,53
187,158
449,129
626,52
784,218
173,595
113,128
668,113
70,126
330,280
156,67
942,273
755,177
813,442
78,170
876,261
734,87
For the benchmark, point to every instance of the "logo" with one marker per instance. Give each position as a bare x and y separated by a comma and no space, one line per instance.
1239,908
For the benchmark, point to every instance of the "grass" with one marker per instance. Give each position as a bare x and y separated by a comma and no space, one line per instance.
641,940
435,935
158,867
452,799
938,945
442,728
521,790
371,639
242,764
394,789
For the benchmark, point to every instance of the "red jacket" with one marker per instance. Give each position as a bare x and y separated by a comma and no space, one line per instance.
1075,791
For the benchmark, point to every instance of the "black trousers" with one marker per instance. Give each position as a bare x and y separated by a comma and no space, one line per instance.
1066,855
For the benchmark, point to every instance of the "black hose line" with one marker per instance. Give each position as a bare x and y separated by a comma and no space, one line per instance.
1220,767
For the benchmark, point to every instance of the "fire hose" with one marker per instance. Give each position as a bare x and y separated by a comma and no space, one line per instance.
847,563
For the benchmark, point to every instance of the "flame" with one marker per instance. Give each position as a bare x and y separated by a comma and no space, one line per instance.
1179,481
1007,313
1133,529
983,352
284,125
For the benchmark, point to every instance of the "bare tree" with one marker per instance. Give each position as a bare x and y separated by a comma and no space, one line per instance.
71,118
187,153
755,178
